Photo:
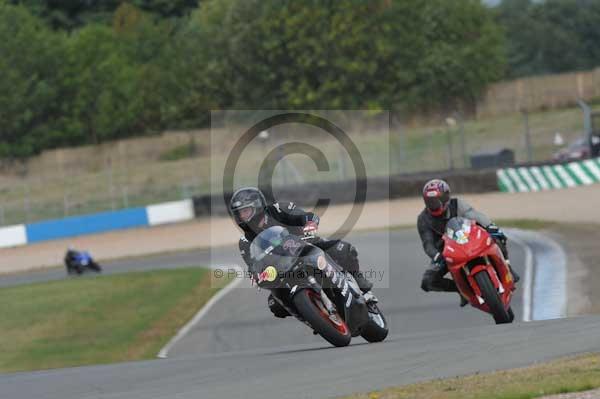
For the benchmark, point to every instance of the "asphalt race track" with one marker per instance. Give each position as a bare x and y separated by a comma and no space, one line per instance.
238,350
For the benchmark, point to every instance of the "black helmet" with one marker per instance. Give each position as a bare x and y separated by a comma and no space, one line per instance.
247,205
436,195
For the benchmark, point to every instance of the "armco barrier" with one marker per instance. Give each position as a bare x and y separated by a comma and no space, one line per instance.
379,188
86,224
170,212
548,177
152,215
12,236
307,195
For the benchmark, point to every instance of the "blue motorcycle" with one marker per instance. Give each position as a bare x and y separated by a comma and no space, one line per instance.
78,262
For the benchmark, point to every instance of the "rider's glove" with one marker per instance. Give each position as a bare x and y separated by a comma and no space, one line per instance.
495,232
310,228
439,261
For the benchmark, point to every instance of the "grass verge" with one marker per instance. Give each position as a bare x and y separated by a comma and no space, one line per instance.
561,376
95,320
527,224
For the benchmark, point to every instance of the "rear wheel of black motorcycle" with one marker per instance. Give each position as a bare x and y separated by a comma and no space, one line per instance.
492,298
376,329
331,327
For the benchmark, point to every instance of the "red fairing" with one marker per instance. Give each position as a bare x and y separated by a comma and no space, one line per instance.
479,245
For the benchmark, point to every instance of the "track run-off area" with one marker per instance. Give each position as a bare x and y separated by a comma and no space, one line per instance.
237,349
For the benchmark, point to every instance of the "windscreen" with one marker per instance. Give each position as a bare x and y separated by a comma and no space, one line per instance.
458,230
275,247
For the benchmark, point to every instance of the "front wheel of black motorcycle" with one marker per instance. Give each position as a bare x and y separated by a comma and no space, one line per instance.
376,329
329,326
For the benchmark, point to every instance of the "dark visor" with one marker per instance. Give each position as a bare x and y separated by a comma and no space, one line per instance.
433,203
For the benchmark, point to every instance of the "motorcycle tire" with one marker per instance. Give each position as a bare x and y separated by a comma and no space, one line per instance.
332,328
376,329
95,267
511,314
492,298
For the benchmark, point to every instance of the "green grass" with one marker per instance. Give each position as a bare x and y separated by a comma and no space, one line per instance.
561,376
527,224
180,152
100,319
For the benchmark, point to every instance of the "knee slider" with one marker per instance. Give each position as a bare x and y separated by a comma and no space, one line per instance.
426,282
425,286
353,251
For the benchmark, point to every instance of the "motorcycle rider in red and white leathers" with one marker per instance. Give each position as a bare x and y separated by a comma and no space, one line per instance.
431,224
250,211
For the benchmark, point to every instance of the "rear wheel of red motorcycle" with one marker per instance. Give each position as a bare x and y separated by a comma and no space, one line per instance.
492,298
331,327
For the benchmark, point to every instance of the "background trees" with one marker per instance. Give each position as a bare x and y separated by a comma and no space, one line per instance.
550,36
31,82
86,71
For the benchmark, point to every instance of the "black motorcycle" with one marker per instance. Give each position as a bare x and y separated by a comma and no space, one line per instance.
313,288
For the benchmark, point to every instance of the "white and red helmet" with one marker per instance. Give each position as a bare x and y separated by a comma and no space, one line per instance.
436,195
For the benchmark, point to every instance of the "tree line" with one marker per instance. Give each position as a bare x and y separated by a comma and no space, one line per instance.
87,71
550,36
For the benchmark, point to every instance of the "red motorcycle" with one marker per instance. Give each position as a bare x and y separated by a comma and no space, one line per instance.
479,268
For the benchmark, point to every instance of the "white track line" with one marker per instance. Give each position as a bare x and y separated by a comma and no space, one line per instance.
201,313
550,287
528,279
545,287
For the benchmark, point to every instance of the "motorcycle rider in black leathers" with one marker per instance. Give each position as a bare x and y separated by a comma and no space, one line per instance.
431,224
70,260
249,208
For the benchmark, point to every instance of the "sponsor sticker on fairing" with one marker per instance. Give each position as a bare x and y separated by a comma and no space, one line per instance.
268,274
461,237
321,262
345,288
291,245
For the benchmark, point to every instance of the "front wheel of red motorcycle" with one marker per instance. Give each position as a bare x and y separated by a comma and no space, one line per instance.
492,298
511,314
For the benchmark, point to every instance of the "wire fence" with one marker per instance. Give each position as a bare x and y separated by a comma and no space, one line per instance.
176,166
531,137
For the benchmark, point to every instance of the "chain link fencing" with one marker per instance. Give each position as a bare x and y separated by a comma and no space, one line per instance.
176,165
